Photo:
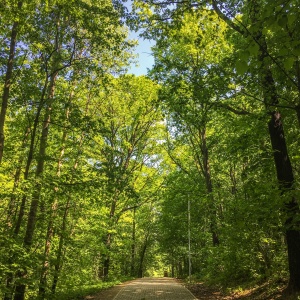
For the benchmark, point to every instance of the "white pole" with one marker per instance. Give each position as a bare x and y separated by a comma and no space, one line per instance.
189,237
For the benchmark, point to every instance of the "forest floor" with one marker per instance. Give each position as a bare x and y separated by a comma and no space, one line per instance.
203,292
265,291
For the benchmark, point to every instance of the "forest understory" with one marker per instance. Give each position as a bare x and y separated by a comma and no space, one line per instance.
264,291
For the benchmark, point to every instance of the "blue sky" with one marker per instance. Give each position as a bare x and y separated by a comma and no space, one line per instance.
145,59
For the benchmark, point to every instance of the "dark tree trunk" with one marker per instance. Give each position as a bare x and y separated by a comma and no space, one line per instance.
286,179
173,270
106,257
283,165
132,267
60,253
7,81
30,158
12,207
30,228
108,238
45,266
20,290
142,257
9,280
59,256
32,215
282,162
180,269
50,230
11,218
209,188
106,268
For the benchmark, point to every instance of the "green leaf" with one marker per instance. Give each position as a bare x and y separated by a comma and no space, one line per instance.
283,21
296,48
241,67
244,55
291,19
265,30
283,51
288,63
254,48
296,51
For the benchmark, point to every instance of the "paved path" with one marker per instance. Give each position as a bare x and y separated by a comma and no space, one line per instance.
154,288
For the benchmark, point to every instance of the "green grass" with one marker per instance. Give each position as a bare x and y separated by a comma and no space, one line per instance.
80,292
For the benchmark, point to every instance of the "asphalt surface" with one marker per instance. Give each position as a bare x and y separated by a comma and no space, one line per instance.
154,288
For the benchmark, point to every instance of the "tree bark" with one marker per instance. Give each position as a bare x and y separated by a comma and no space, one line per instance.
106,266
11,216
21,212
7,81
49,235
209,188
281,158
37,189
30,228
132,267
286,179
59,254
45,266
284,169
142,257
30,157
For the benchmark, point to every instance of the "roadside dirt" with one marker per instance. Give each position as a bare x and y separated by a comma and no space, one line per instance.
261,292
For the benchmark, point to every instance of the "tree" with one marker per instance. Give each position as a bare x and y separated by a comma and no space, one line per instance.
262,65
130,116
66,42
187,70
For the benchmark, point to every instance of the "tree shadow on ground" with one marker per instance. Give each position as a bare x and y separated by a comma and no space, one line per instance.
265,291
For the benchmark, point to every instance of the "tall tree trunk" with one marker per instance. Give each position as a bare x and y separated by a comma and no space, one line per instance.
45,266
39,171
281,158
31,221
60,253
142,256
108,237
11,215
50,230
20,288
132,267
7,81
12,209
209,188
106,264
199,142
286,179
30,157
283,167
21,212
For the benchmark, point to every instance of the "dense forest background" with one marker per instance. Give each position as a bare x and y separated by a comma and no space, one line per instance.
106,176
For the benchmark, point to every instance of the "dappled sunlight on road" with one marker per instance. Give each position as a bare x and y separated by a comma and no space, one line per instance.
154,288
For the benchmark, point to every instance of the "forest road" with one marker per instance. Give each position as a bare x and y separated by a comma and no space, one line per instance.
154,288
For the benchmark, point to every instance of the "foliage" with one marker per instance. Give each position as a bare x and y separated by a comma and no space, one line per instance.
99,168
